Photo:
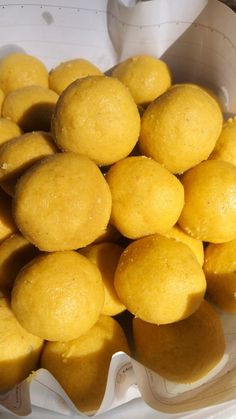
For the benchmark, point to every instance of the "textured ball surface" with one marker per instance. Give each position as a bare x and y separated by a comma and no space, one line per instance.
159,280
19,70
146,197
96,116
58,296
180,128
209,213
146,77
62,203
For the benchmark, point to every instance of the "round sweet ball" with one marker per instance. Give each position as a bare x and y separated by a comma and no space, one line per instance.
81,365
76,203
96,116
209,213
19,153
7,224
219,268
146,197
146,77
225,148
194,244
182,352
106,257
65,73
180,128
58,296
8,130
15,252
30,107
19,350
19,70
159,280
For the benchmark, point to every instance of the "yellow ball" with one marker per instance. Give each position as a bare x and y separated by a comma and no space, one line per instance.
19,350
81,365
62,203
182,352
30,107
159,280
58,296
8,130
146,77
65,73
219,268
106,257
18,154
180,128
96,116
146,197
195,245
225,148
7,224
19,70
209,213
15,252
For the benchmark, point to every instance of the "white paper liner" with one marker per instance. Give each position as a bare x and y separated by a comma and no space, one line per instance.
197,38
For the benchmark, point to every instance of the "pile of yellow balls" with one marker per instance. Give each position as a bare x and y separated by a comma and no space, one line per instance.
111,189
